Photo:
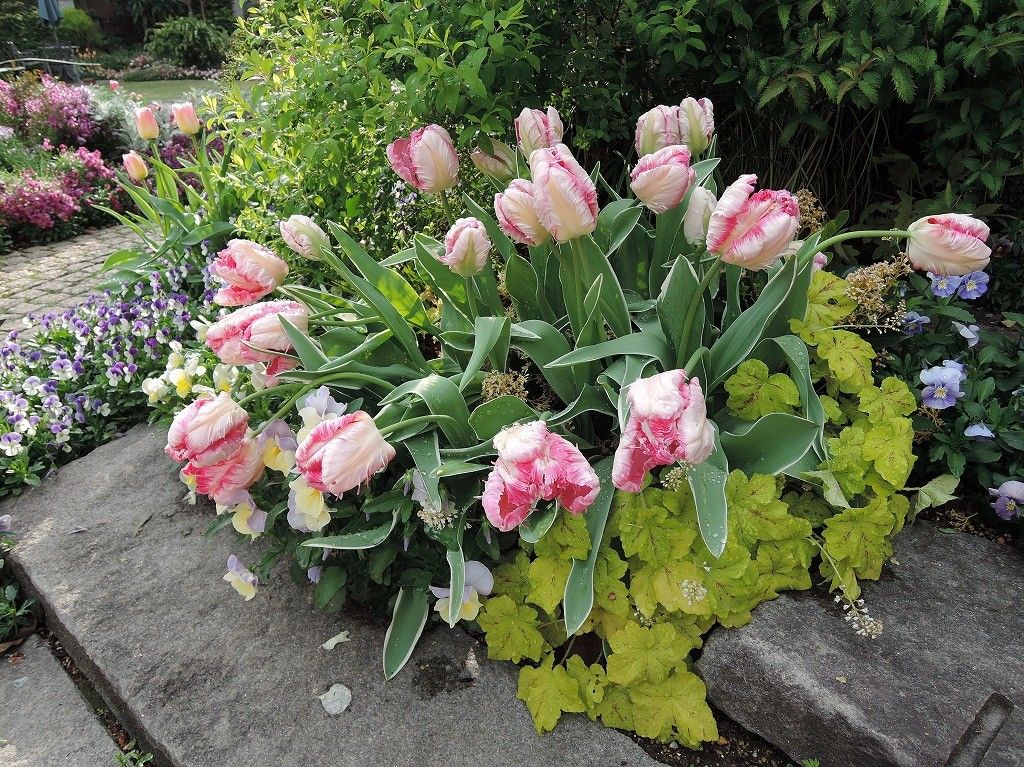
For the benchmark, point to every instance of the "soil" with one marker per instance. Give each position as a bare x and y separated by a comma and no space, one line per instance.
736,747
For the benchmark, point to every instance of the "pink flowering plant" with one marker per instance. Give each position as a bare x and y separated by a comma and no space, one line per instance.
616,414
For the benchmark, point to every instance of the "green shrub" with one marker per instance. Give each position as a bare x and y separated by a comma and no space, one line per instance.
21,24
78,28
188,41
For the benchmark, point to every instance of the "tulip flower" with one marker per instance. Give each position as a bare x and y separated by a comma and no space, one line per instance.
668,422
241,578
948,244
661,180
466,247
751,229
565,196
207,431
146,124
698,214
516,211
249,272
343,453
426,159
114,84
699,118
538,130
135,166
533,465
301,234
660,127
185,118
223,480
258,325
500,164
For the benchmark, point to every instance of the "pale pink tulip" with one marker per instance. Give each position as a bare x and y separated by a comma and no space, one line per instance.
223,480
534,465
751,229
185,118
249,272
466,247
207,431
135,166
698,213
699,119
259,325
146,124
426,159
114,84
948,244
301,234
516,211
661,180
342,453
499,165
658,128
667,423
538,130
565,197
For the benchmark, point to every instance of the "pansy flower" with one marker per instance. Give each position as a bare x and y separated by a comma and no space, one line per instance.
943,286
479,582
307,508
1009,499
942,386
278,444
978,431
242,579
973,285
968,332
913,323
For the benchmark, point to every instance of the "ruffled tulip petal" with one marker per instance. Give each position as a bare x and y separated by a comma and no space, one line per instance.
951,244
342,453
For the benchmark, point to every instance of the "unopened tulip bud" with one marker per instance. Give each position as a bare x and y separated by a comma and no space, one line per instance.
698,214
565,196
301,234
948,244
146,124
426,159
662,179
660,127
751,229
135,166
185,118
699,119
538,130
466,247
516,211
500,164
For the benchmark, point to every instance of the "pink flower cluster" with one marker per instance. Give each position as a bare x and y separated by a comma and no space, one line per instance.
35,202
51,109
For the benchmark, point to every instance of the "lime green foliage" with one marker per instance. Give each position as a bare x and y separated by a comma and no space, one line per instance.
658,589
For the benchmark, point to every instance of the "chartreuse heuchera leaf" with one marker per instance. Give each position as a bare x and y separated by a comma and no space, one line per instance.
754,392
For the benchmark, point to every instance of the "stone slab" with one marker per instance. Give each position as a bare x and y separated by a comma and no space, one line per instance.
44,720
135,593
942,686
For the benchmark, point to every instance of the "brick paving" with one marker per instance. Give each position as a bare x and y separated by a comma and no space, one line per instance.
58,275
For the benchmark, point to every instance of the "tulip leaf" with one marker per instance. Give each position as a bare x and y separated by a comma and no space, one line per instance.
491,337
733,274
678,291
533,528
332,579
524,289
493,416
458,468
707,483
443,397
702,170
425,454
407,622
354,541
309,353
769,445
445,283
578,600
794,307
594,265
667,227
550,345
589,399
639,344
457,584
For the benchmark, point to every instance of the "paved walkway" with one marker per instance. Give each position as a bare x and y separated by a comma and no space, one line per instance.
57,275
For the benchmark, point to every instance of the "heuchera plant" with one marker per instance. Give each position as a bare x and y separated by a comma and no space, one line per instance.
533,404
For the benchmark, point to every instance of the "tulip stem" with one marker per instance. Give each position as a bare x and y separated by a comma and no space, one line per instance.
435,418
864,234
443,197
697,300
269,390
470,298
694,359
285,407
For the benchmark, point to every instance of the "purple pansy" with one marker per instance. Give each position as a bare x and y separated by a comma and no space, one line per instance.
913,323
942,386
973,285
1009,499
323,403
969,332
943,285
978,431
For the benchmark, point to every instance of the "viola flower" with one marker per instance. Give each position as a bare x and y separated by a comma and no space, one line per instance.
942,386
479,582
246,518
978,431
533,465
943,286
1009,499
913,323
973,285
241,578
317,407
5,523
278,445
307,508
969,332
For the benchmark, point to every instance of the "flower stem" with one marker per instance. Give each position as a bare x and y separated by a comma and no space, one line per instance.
470,298
864,234
436,418
443,197
694,359
698,299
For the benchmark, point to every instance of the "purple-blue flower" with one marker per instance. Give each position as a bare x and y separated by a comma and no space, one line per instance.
913,323
1009,499
942,387
973,285
969,332
943,286
978,431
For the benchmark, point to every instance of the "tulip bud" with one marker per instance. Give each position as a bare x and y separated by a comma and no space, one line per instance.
426,159
249,272
146,124
135,166
185,118
207,431
565,197
257,325
698,213
114,84
699,119
301,234
342,453
499,165
752,230
222,481
668,422
516,211
948,244
660,127
538,130
661,180
466,247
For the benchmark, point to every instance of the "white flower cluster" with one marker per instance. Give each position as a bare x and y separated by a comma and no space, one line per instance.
185,377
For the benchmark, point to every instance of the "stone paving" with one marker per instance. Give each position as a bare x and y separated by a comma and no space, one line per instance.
57,275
